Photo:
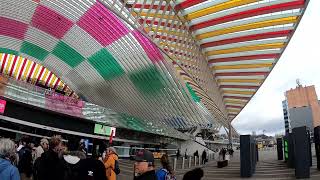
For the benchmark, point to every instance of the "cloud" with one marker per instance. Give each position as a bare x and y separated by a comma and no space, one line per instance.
301,59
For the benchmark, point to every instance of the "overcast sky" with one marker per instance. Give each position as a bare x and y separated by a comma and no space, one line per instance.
301,59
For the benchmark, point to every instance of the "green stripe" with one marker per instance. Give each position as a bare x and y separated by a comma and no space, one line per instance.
193,93
148,80
8,51
67,54
106,64
34,50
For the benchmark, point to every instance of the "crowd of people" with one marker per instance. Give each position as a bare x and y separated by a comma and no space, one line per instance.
53,160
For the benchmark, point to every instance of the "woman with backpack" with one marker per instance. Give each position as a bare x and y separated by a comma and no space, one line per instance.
111,163
166,172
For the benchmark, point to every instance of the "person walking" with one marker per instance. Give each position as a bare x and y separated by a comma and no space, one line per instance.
144,166
7,152
111,163
25,163
166,172
43,147
49,166
204,157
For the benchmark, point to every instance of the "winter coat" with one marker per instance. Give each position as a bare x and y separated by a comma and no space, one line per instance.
8,171
83,169
50,167
110,165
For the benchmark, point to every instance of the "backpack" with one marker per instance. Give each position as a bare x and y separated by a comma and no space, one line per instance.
168,176
116,167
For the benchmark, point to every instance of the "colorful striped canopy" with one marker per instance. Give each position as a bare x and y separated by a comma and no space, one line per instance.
183,63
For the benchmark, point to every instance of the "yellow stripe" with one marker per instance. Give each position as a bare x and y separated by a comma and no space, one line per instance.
241,80
246,48
233,110
238,92
219,7
20,60
60,85
1,54
242,66
235,102
10,59
53,80
25,74
44,77
34,77
256,25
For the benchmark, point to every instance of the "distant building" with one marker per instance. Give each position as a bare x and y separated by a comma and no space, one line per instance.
286,116
301,108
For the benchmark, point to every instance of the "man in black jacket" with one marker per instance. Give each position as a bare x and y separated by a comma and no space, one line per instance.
49,166
144,166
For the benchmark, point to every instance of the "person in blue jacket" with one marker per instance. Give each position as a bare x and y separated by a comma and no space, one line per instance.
166,172
7,152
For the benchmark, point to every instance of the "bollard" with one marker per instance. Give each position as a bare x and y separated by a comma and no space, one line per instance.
183,163
200,161
175,164
195,161
189,162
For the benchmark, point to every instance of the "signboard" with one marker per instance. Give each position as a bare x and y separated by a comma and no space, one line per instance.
104,130
2,105
286,150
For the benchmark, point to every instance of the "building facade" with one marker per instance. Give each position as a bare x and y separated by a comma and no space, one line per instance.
286,116
301,108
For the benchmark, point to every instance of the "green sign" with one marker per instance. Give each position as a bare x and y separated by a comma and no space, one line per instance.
286,150
104,130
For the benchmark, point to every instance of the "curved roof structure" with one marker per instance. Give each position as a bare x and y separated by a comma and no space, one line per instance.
26,70
182,63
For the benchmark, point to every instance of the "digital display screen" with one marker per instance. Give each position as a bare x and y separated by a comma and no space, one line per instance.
104,130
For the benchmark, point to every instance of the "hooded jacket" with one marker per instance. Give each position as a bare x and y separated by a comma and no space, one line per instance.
110,165
8,171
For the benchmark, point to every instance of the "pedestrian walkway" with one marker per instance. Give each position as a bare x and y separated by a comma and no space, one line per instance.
268,167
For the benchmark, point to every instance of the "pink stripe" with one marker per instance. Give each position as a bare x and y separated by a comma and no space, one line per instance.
51,22
12,28
152,50
102,24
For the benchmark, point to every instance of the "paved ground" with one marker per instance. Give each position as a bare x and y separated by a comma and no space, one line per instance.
267,168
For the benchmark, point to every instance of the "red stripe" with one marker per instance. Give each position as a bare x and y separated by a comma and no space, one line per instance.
250,13
187,3
248,38
239,86
48,80
21,70
31,71
243,58
56,84
236,97
4,62
149,6
232,106
12,66
41,72
241,73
